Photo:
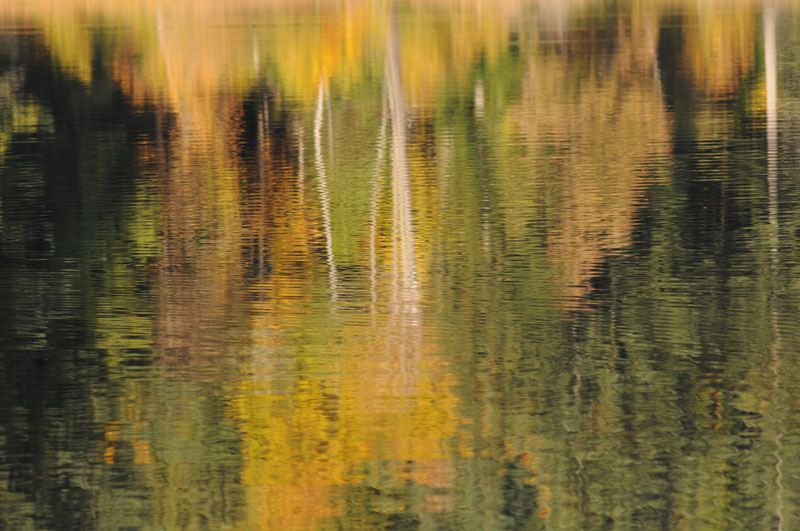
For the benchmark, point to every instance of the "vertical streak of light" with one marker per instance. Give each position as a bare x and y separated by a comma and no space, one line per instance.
405,290
256,56
400,186
162,42
771,74
323,192
376,187
772,116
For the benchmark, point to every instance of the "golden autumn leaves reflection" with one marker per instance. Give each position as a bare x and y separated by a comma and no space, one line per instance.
317,175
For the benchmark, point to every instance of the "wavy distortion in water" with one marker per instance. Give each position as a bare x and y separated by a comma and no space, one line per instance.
403,265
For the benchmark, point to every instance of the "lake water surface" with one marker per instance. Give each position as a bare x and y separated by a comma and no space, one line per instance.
399,265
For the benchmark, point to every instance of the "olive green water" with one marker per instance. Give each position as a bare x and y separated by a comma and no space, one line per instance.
422,265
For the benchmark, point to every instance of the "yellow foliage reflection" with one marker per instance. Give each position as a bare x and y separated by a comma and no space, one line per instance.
340,370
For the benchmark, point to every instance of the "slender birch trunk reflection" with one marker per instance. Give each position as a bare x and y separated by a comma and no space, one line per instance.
256,55
405,293
162,42
401,208
771,75
377,178
772,116
323,192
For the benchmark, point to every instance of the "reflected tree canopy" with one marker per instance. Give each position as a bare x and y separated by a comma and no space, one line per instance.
501,265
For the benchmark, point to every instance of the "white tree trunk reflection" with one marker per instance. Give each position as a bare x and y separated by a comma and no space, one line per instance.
323,192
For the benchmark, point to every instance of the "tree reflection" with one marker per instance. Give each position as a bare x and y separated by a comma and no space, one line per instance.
352,264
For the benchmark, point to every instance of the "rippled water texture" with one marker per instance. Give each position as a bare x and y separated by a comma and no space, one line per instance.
399,265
